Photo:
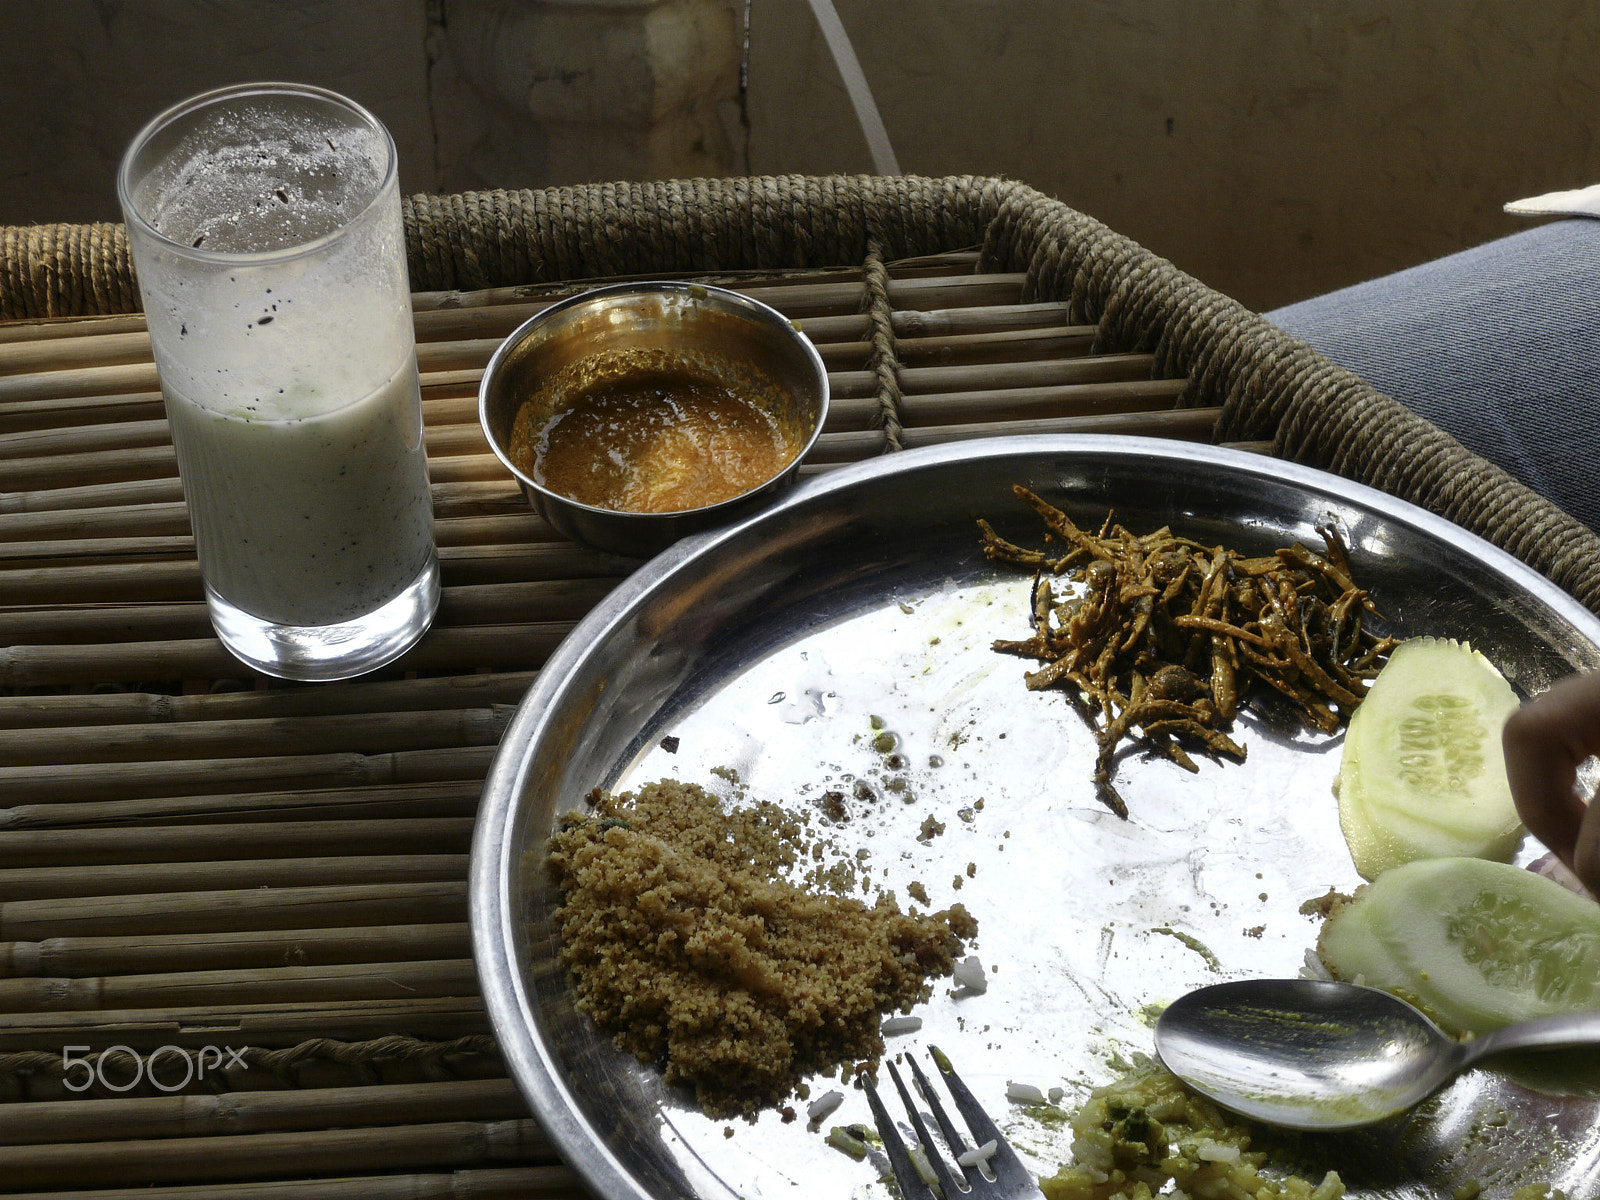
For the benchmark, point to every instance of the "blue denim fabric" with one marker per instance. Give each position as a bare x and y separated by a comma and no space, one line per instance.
1498,345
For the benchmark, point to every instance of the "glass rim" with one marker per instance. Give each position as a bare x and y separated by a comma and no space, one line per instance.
133,218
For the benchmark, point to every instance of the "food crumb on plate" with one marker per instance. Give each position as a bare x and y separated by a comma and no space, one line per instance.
842,1138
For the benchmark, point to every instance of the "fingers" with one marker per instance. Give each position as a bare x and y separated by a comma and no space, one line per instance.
1586,852
1545,741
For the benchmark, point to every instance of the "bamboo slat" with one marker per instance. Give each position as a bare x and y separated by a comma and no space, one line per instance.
516,1183
453,423
326,905
193,855
65,327
83,1071
560,601
98,495
515,646
262,985
207,843
54,354
241,1156
143,520
120,363
427,729
110,781
436,798
112,879
73,957
100,583
356,697
124,428
69,1122
286,1024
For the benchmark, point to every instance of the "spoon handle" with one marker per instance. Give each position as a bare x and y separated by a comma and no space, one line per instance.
1567,1029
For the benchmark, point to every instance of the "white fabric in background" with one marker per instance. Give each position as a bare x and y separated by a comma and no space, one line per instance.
1580,202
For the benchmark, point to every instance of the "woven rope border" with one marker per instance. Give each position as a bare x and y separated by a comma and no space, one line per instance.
65,271
884,361
1269,385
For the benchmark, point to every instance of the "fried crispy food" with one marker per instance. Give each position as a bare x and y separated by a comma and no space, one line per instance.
1163,637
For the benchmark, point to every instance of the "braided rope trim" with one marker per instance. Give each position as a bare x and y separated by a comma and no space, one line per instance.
1271,386
480,240
477,240
1268,385
65,271
884,360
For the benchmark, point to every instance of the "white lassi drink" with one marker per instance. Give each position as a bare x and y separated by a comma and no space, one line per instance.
308,520
265,226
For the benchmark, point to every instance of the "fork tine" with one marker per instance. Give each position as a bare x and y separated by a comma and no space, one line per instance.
953,1137
912,1186
930,1150
1011,1173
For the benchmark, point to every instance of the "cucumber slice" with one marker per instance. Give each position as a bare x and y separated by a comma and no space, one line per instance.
1422,774
1476,944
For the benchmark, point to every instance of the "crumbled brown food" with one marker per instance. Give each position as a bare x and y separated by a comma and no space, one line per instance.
1167,635
687,944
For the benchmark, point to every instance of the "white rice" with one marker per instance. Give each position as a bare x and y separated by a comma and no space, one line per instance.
968,973
981,1154
823,1106
1023,1093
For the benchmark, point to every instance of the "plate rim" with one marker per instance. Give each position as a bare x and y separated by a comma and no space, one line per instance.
490,904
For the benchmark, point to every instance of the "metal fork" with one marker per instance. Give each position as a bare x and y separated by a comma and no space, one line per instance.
1011,1179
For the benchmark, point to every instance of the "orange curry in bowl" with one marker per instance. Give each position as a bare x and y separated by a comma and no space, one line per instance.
648,431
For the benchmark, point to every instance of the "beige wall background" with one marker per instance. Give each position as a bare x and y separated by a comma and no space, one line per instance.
1275,149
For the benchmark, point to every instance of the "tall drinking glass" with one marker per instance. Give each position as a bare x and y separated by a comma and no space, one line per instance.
265,229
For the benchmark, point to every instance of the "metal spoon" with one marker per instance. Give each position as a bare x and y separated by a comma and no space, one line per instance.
1309,1054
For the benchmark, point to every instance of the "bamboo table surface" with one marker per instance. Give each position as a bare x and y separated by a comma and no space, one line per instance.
234,953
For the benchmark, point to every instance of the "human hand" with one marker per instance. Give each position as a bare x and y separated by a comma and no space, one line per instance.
1545,741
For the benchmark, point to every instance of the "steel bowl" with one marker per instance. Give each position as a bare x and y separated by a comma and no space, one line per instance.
710,331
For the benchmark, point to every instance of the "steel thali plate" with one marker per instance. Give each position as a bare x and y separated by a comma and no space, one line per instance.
774,650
